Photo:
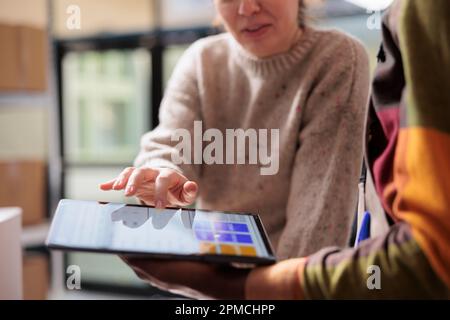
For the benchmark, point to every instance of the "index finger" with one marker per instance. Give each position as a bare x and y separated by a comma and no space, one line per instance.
107,185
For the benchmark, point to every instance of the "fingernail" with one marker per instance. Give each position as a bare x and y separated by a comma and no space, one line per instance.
129,189
192,189
159,204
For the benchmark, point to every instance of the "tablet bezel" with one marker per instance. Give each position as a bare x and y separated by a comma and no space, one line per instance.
240,261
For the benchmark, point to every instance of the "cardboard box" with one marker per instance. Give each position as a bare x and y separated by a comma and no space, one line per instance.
10,75
23,58
33,53
23,184
35,277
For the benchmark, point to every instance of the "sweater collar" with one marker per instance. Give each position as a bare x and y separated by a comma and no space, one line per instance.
278,63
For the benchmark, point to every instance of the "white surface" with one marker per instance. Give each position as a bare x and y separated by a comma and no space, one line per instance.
10,253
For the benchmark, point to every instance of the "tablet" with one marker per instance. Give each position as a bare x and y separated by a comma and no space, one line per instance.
172,233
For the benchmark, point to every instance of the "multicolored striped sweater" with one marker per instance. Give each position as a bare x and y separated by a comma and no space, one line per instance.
409,158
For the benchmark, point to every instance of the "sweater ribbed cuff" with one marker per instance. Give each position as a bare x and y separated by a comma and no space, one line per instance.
159,164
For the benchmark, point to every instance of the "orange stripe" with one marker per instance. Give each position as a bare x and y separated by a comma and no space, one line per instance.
422,179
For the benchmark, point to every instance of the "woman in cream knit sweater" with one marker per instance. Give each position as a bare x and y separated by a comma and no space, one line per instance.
306,88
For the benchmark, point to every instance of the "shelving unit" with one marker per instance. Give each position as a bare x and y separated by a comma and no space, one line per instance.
75,177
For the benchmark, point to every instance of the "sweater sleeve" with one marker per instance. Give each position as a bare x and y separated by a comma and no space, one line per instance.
179,109
412,260
324,184
422,167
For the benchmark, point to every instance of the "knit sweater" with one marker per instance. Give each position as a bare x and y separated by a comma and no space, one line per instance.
315,95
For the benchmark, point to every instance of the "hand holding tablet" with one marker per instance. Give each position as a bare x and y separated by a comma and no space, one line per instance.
182,234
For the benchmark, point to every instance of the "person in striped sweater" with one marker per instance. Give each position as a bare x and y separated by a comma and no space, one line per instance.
408,154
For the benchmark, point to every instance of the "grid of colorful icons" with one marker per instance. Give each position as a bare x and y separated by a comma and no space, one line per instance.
224,237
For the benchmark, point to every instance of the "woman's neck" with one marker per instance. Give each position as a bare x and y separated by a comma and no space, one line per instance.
302,41
296,38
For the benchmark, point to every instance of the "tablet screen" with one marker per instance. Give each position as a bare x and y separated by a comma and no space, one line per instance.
115,227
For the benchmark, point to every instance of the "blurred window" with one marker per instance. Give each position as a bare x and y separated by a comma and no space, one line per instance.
106,98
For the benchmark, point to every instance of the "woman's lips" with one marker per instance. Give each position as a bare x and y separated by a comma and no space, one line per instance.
256,31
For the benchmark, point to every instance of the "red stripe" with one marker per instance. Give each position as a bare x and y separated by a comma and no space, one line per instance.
383,166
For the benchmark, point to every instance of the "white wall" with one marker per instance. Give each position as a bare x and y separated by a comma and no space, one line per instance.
23,133
99,16
29,12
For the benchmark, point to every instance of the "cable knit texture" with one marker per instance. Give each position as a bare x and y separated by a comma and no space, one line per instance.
316,95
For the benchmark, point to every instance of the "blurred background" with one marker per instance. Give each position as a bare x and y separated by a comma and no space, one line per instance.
80,82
